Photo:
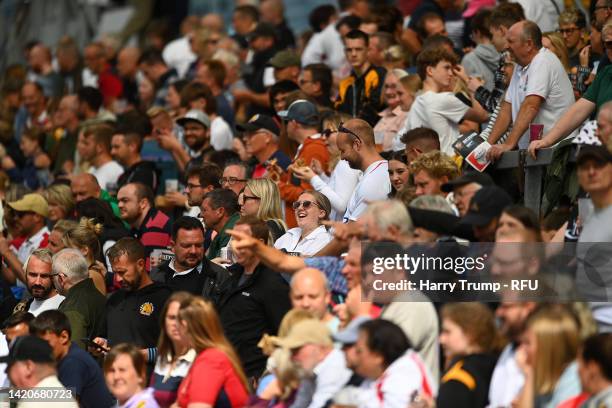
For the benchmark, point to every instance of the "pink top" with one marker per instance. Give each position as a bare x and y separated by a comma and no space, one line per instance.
390,123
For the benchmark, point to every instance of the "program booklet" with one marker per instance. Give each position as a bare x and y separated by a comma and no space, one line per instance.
473,148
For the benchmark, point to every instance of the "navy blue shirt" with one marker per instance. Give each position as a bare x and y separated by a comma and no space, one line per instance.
79,371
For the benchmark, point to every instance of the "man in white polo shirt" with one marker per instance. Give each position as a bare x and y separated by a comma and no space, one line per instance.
540,91
356,144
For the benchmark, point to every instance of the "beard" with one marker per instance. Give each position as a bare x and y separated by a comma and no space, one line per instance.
40,292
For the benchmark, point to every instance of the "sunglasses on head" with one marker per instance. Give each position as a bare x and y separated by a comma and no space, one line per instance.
306,204
342,129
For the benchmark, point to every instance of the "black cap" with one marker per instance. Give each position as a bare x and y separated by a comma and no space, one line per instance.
29,348
259,122
263,30
466,178
600,154
487,204
302,111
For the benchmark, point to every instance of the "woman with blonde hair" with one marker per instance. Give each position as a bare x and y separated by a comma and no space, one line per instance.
547,358
175,355
84,237
338,187
470,343
217,367
310,236
61,202
261,198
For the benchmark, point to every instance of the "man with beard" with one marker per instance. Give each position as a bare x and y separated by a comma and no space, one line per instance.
84,304
196,127
40,284
189,268
133,312
356,145
149,225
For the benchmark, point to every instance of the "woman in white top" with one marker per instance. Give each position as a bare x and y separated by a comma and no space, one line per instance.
339,187
310,236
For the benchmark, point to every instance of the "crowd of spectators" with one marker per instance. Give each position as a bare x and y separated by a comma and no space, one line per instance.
197,221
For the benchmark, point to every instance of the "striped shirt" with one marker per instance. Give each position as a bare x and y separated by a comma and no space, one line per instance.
153,233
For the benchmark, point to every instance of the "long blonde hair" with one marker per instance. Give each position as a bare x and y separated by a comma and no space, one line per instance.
559,49
205,331
557,335
269,200
332,122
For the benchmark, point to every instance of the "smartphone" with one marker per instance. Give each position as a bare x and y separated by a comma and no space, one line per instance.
91,343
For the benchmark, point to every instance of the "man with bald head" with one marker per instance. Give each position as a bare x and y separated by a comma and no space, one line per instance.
42,71
127,68
310,292
213,22
604,123
539,92
356,144
85,186
273,12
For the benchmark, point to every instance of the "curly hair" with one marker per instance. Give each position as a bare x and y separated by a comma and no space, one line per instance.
436,164
432,57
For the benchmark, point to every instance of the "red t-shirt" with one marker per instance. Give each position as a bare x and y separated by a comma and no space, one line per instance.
212,380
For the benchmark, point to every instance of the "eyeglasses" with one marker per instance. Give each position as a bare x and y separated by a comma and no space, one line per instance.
231,180
328,132
246,197
564,31
342,129
192,186
306,204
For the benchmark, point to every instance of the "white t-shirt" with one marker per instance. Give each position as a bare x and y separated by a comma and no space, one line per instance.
542,12
178,55
440,111
31,244
221,135
507,379
544,77
374,185
310,245
327,47
39,306
107,174
338,188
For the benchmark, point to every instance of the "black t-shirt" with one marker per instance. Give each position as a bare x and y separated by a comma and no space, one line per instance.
79,371
134,317
143,172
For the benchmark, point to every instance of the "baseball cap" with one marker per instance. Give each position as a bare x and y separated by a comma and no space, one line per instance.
284,59
262,30
466,178
302,111
31,202
350,334
28,348
309,331
195,115
487,203
600,154
259,122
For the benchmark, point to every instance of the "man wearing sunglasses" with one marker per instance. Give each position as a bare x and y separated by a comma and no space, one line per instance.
356,144
31,216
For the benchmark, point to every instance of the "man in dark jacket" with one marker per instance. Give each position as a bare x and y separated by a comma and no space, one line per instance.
255,302
190,271
84,305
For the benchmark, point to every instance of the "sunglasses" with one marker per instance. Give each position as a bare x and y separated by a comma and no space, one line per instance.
342,129
328,132
306,204
20,214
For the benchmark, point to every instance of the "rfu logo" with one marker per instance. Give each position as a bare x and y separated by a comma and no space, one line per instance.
246,294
